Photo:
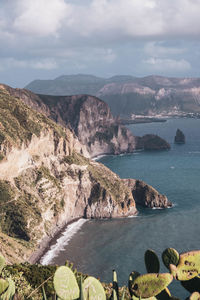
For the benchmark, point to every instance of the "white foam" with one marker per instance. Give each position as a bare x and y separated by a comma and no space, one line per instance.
62,241
172,167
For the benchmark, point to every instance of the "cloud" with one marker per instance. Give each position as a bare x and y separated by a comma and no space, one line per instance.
40,17
165,65
159,49
10,62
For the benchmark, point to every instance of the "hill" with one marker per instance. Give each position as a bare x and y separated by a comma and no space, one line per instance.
127,95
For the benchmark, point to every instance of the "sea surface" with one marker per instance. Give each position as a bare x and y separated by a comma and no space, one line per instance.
97,247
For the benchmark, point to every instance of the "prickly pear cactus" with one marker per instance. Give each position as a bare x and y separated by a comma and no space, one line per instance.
150,285
192,285
170,256
188,266
132,277
65,284
2,263
93,289
151,261
195,296
3,285
9,293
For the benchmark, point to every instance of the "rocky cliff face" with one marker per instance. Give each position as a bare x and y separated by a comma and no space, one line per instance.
89,117
45,181
48,180
146,196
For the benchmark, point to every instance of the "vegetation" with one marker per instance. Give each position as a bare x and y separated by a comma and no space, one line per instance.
53,282
18,122
76,158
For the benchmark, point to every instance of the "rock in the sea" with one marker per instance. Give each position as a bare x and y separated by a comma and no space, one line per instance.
146,196
152,142
179,137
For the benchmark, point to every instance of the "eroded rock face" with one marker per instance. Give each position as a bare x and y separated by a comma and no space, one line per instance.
89,117
146,196
46,182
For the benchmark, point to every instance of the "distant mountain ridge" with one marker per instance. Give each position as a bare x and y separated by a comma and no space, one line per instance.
128,95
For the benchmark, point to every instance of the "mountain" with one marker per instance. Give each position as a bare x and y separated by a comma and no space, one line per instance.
127,95
89,117
48,180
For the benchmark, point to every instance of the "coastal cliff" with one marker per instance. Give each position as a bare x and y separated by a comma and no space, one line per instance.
89,117
145,195
46,182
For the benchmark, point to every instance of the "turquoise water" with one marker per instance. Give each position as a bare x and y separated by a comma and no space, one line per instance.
100,246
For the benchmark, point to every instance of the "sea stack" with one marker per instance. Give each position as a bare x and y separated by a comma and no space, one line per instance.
180,137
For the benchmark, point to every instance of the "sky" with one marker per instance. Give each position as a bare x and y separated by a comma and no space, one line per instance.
43,39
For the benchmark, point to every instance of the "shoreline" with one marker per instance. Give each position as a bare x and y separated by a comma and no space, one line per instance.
45,245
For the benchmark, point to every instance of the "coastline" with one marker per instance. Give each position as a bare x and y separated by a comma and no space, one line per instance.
45,245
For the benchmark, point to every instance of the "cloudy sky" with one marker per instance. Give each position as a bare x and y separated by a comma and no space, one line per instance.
43,39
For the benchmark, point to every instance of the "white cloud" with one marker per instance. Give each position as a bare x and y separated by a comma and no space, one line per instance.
157,49
40,17
10,62
167,64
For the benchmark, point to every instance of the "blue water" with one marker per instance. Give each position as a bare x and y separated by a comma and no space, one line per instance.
101,246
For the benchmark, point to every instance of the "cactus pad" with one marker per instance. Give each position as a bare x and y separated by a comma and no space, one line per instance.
195,296
9,293
188,266
2,263
3,285
150,285
65,284
132,277
192,285
170,256
152,261
93,288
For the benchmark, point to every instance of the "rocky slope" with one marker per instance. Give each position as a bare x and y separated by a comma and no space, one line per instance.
127,95
146,196
45,182
48,180
89,117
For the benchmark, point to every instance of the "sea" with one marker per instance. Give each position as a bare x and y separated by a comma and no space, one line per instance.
96,247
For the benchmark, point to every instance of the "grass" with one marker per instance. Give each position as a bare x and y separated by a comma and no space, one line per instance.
18,122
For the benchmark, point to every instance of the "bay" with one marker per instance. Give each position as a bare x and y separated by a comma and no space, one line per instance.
102,245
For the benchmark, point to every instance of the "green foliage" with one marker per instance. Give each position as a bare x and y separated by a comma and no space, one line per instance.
19,122
10,292
170,256
188,266
151,261
65,284
76,158
149,285
93,289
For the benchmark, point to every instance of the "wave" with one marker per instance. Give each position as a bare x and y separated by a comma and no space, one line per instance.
62,241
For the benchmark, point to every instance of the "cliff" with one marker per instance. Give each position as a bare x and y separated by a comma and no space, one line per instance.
89,117
45,181
146,196
127,95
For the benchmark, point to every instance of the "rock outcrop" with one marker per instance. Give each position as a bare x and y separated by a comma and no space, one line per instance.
146,196
152,142
179,137
89,117
46,182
